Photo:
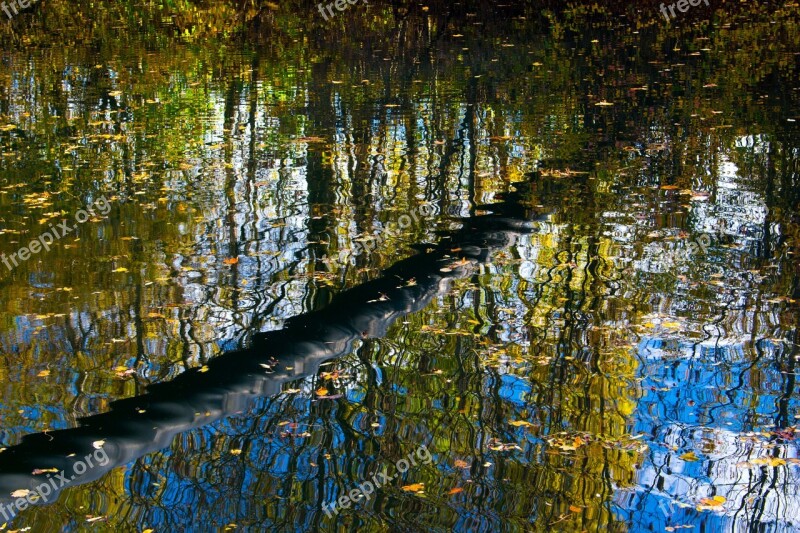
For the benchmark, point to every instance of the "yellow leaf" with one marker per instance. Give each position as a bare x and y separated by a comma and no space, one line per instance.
203,368
120,269
322,391
43,374
518,423
711,504
21,493
689,456
771,461
236,452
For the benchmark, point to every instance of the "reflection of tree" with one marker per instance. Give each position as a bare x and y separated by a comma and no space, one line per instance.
304,165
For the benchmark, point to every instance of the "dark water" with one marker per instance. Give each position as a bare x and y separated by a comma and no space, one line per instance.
611,354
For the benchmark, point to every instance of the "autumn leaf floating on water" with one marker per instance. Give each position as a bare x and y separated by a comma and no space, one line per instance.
415,488
123,371
556,173
498,446
567,443
711,504
310,139
689,456
766,461
455,490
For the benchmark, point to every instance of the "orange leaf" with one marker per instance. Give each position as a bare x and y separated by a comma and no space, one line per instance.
455,491
322,391
711,504
414,487
231,261
575,509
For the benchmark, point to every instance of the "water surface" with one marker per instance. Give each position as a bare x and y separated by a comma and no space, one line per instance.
615,368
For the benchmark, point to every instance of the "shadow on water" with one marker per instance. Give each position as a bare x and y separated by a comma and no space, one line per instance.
229,383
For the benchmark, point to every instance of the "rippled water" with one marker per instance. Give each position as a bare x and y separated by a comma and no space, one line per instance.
624,353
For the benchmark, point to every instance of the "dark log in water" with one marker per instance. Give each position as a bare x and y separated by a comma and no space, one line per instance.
149,422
